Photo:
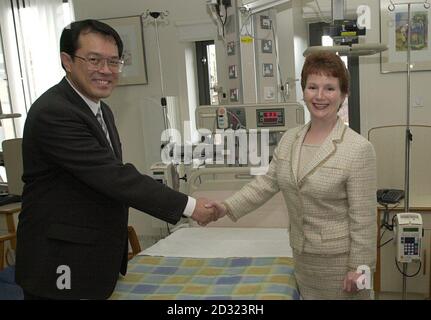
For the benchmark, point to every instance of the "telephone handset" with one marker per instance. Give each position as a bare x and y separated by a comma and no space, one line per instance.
389,195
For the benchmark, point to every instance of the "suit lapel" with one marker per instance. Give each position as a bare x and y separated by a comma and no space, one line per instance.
296,149
325,151
76,100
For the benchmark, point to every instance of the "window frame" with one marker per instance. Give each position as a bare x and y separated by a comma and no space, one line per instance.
203,72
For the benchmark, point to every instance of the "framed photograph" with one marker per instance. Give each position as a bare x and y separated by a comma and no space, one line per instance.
234,95
266,46
233,74
268,70
230,48
265,22
131,32
393,32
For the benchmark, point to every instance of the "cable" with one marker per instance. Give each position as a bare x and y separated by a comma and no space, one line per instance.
223,23
385,223
237,119
382,245
407,275
381,236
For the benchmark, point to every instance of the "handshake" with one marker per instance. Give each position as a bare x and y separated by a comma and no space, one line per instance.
207,211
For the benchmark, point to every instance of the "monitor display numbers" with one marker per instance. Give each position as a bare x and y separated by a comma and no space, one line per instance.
268,118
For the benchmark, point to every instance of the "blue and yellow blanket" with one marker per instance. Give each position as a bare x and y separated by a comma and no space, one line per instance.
168,278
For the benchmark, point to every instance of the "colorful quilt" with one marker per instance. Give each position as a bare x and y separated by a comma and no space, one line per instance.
169,278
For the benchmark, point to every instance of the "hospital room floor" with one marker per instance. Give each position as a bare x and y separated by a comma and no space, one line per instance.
398,296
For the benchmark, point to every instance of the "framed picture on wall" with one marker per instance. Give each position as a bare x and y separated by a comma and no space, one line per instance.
233,74
393,32
265,22
131,32
234,95
268,70
266,46
230,48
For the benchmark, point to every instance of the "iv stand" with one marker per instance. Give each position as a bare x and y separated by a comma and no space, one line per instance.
408,136
156,15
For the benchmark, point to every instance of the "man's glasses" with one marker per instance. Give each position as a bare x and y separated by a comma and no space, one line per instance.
96,63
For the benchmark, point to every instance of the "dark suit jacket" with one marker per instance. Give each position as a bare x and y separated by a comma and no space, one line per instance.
76,197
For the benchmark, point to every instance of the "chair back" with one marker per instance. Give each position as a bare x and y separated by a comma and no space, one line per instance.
12,155
134,242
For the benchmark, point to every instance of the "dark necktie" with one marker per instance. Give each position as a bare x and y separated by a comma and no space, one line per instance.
99,118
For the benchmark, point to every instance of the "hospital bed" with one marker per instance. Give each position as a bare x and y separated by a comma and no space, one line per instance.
250,259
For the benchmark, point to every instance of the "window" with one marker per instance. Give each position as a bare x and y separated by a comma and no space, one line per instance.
40,56
207,72
29,55
7,128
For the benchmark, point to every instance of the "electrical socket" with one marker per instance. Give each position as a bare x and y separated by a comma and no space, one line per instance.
418,102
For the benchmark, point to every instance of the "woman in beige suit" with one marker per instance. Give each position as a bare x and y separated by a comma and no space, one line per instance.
327,174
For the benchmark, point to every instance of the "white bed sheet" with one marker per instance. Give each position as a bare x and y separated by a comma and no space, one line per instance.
198,242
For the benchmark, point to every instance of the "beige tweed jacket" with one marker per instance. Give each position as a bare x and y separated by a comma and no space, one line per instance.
332,206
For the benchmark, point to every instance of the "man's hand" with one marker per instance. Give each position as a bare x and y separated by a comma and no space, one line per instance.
219,208
350,281
202,214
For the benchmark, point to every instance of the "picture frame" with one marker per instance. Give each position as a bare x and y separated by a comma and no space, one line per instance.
393,32
234,95
233,74
268,70
265,22
266,46
131,33
230,48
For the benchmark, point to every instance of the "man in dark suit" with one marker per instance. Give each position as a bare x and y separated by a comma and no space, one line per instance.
72,231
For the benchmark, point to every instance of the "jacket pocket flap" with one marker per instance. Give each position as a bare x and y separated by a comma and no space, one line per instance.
72,233
337,233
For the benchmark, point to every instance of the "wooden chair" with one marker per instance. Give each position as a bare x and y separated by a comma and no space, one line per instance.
12,156
134,242
8,211
3,239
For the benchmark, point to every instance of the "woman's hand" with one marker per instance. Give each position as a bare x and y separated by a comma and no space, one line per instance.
350,284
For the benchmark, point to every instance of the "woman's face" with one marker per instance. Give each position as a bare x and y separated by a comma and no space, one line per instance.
323,96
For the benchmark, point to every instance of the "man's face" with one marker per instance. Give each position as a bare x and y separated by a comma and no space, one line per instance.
92,81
